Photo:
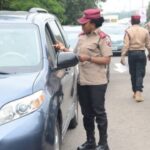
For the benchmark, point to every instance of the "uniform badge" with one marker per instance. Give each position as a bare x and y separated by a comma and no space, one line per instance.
108,41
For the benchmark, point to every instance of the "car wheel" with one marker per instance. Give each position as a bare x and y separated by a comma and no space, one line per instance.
74,120
57,142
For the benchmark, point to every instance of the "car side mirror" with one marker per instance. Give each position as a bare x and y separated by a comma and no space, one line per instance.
66,59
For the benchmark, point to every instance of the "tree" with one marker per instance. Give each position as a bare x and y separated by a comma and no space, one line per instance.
4,4
66,10
74,8
53,6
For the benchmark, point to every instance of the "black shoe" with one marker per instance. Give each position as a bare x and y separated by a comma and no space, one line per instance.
87,146
102,147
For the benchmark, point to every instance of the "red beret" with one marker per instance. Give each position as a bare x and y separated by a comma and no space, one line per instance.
89,14
136,17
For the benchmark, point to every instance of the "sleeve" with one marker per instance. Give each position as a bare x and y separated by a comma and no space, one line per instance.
76,48
147,26
105,46
126,44
147,45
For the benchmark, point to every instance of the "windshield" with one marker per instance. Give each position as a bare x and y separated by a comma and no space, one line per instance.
20,48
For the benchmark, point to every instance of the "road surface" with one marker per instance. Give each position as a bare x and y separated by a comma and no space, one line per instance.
129,121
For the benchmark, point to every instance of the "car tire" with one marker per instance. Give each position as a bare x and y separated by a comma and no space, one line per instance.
57,141
74,120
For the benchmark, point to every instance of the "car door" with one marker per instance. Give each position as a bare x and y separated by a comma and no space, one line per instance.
66,75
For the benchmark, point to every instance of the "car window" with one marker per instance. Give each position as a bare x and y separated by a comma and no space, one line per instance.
50,51
56,32
63,34
20,45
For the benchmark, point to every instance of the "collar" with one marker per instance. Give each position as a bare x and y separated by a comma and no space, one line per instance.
96,31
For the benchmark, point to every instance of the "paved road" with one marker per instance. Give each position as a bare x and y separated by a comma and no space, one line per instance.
129,121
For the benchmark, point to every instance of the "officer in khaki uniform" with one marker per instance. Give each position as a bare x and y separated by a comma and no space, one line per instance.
94,51
136,40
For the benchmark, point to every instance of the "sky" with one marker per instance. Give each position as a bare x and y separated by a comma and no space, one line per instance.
124,5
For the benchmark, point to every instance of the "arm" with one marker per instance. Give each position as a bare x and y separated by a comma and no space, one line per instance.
95,59
60,47
101,60
148,44
126,44
105,53
125,48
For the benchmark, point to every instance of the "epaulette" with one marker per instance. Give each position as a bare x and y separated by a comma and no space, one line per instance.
102,34
82,33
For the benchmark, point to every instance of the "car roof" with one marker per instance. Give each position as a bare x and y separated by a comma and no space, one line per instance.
31,16
72,28
113,24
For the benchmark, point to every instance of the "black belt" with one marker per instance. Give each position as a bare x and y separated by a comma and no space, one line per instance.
136,51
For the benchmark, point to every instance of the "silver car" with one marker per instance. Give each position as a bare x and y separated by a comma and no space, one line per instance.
116,33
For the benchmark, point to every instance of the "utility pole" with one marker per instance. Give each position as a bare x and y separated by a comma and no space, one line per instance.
142,3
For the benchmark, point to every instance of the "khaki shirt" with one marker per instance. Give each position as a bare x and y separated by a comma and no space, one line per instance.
91,73
136,38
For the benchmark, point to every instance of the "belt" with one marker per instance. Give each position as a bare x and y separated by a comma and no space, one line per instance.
136,51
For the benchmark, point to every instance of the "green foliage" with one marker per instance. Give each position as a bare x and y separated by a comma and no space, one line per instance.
52,6
4,4
74,8
68,11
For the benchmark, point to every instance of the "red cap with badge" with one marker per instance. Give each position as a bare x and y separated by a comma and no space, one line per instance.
136,17
89,14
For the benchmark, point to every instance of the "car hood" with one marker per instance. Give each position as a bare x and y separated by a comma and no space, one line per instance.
116,38
15,86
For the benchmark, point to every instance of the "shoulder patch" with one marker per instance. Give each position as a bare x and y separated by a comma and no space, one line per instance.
108,41
102,34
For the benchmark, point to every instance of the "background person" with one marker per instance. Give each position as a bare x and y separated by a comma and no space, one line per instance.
136,40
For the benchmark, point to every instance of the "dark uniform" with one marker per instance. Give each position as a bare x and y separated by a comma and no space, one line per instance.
92,84
135,41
